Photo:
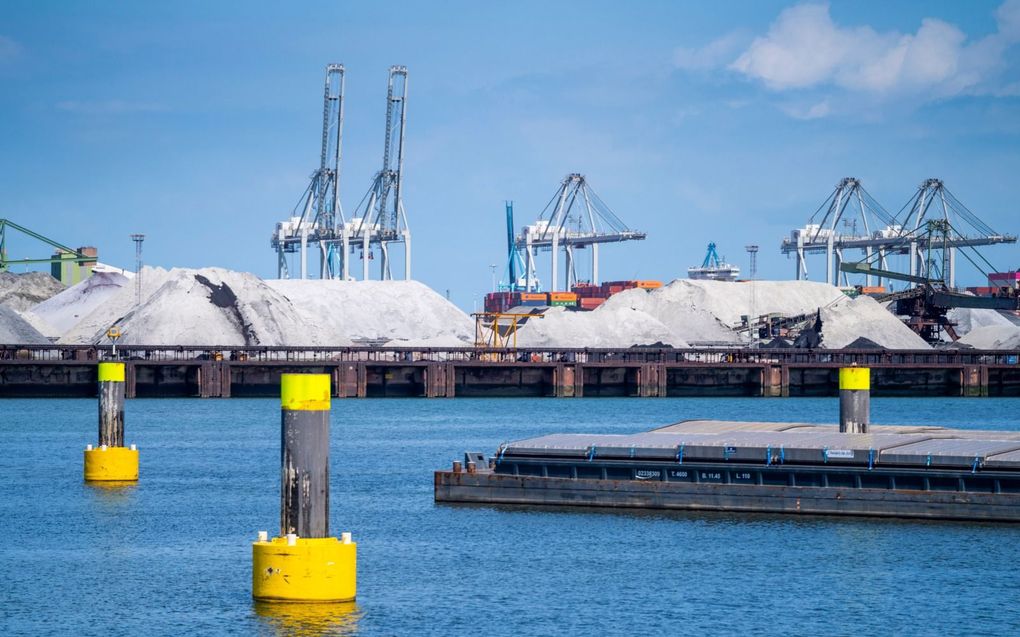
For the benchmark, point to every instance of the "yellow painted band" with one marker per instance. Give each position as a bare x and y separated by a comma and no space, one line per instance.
113,372
855,378
118,464
304,392
312,570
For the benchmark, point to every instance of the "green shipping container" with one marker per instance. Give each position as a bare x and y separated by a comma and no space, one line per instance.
563,303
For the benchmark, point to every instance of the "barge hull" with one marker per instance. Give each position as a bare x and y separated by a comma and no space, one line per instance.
492,488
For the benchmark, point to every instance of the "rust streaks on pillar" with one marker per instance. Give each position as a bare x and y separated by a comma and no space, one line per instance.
130,377
451,380
304,455
111,405
225,379
362,380
970,381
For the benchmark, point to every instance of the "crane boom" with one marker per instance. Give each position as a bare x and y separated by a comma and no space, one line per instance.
865,268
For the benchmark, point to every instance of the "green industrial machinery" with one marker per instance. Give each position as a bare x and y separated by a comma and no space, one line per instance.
63,257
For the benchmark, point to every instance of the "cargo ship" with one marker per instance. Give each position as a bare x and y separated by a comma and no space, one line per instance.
713,268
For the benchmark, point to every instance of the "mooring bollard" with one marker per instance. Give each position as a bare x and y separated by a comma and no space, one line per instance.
304,564
854,399
111,461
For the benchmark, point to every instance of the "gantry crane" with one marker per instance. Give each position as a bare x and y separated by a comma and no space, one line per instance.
321,219
574,218
853,220
926,305
380,219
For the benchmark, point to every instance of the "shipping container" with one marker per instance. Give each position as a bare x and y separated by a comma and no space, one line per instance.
625,285
562,296
872,289
590,303
649,285
563,303
591,292
533,296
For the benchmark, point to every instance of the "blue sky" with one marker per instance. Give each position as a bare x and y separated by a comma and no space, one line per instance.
198,123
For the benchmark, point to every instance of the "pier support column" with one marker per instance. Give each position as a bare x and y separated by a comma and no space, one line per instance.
347,380
303,563
111,462
362,381
565,375
646,382
225,380
130,381
970,381
772,384
451,380
854,399
435,380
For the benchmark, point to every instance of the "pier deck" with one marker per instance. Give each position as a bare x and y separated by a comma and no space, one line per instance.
222,372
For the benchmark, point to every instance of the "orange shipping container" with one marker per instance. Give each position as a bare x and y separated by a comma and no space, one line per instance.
649,285
562,296
533,296
590,303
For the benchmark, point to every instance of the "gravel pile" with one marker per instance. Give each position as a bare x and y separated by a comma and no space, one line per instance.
15,330
688,312
22,291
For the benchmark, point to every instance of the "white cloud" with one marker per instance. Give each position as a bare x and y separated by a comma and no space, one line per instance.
805,48
716,53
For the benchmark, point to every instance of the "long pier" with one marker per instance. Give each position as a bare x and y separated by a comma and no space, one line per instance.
359,372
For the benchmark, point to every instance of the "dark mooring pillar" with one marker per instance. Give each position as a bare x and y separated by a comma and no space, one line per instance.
854,399
111,404
111,461
304,455
304,564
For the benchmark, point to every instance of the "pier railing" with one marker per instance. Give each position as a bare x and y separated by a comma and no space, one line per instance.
503,356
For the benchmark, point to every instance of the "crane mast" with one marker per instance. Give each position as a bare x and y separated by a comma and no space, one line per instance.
321,219
382,219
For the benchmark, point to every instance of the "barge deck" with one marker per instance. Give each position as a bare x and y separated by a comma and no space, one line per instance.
910,472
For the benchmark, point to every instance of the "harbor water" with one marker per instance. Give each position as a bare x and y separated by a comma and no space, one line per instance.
172,554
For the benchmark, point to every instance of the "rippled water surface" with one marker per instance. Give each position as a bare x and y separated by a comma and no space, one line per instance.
172,555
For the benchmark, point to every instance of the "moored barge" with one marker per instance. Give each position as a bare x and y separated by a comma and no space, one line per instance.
890,471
